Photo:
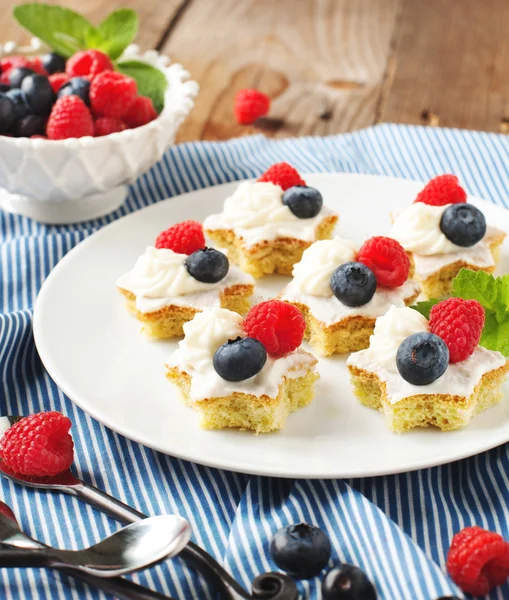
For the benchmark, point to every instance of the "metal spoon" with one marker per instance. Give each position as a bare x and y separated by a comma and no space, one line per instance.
117,587
130,549
269,586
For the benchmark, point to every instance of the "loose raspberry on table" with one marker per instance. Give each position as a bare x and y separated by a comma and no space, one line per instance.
387,259
107,125
39,445
444,189
88,63
478,560
111,94
69,118
279,326
282,174
459,323
140,112
183,238
250,105
57,80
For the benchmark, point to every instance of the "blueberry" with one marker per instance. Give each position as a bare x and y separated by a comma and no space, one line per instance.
17,75
39,93
239,359
304,202
30,125
353,284
53,63
7,113
463,224
347,582
20,103
301,550
207,265
4,88
77,86
422,358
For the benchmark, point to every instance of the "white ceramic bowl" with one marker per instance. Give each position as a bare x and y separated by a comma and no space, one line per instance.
73,180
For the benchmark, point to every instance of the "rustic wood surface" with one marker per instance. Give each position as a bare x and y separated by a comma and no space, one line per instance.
329,65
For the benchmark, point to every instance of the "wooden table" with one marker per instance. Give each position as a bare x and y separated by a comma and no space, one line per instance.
329,65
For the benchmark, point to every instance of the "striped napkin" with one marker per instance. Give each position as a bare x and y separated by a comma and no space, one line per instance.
396,528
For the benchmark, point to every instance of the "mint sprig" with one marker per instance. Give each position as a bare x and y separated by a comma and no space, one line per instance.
67,32
493,293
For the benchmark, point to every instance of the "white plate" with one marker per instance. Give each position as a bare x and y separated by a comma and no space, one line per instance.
93,350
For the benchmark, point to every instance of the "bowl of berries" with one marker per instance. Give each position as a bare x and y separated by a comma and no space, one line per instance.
83,113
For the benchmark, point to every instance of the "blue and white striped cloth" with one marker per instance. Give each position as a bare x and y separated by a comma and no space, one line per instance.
396,528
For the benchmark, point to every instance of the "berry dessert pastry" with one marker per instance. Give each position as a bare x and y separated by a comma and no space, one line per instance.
341,292
420,373
443,233
180,277
267,224
247,374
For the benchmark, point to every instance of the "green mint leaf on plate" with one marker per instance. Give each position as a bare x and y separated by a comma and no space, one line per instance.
62,29
151,81
493,293
115,33
424,307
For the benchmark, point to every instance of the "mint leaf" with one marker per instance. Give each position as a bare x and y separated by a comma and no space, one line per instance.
151,81
62,29
493,293
425,306
115,33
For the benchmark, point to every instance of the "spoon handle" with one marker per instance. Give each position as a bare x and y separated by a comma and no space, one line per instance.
116,586
269,586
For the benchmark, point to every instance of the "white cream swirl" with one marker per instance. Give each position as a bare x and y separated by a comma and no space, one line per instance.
204,334
312,274
256,213
161,273
417,229
390,330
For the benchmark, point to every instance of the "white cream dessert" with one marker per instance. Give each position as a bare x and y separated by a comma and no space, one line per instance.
450,401
163,295
265,228
332,325
159,278
261,402
435,256
256,213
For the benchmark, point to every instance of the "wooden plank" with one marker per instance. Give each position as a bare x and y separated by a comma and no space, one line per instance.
155,17
310,56
450,65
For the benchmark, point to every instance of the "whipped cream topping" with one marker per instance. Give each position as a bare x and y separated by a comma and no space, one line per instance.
203,336
312,274
159,278
256,213
459,379
417,229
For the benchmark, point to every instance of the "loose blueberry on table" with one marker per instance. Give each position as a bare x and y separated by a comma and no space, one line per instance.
347,582
301,550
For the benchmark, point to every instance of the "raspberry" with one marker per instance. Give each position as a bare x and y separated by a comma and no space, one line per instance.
36,65
140,112
282,174
183,238
277,325
57,80
88,62
459,323
38,445
111,94
444,189
69,117
250,105
11,62
107,125
387,259
478,560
